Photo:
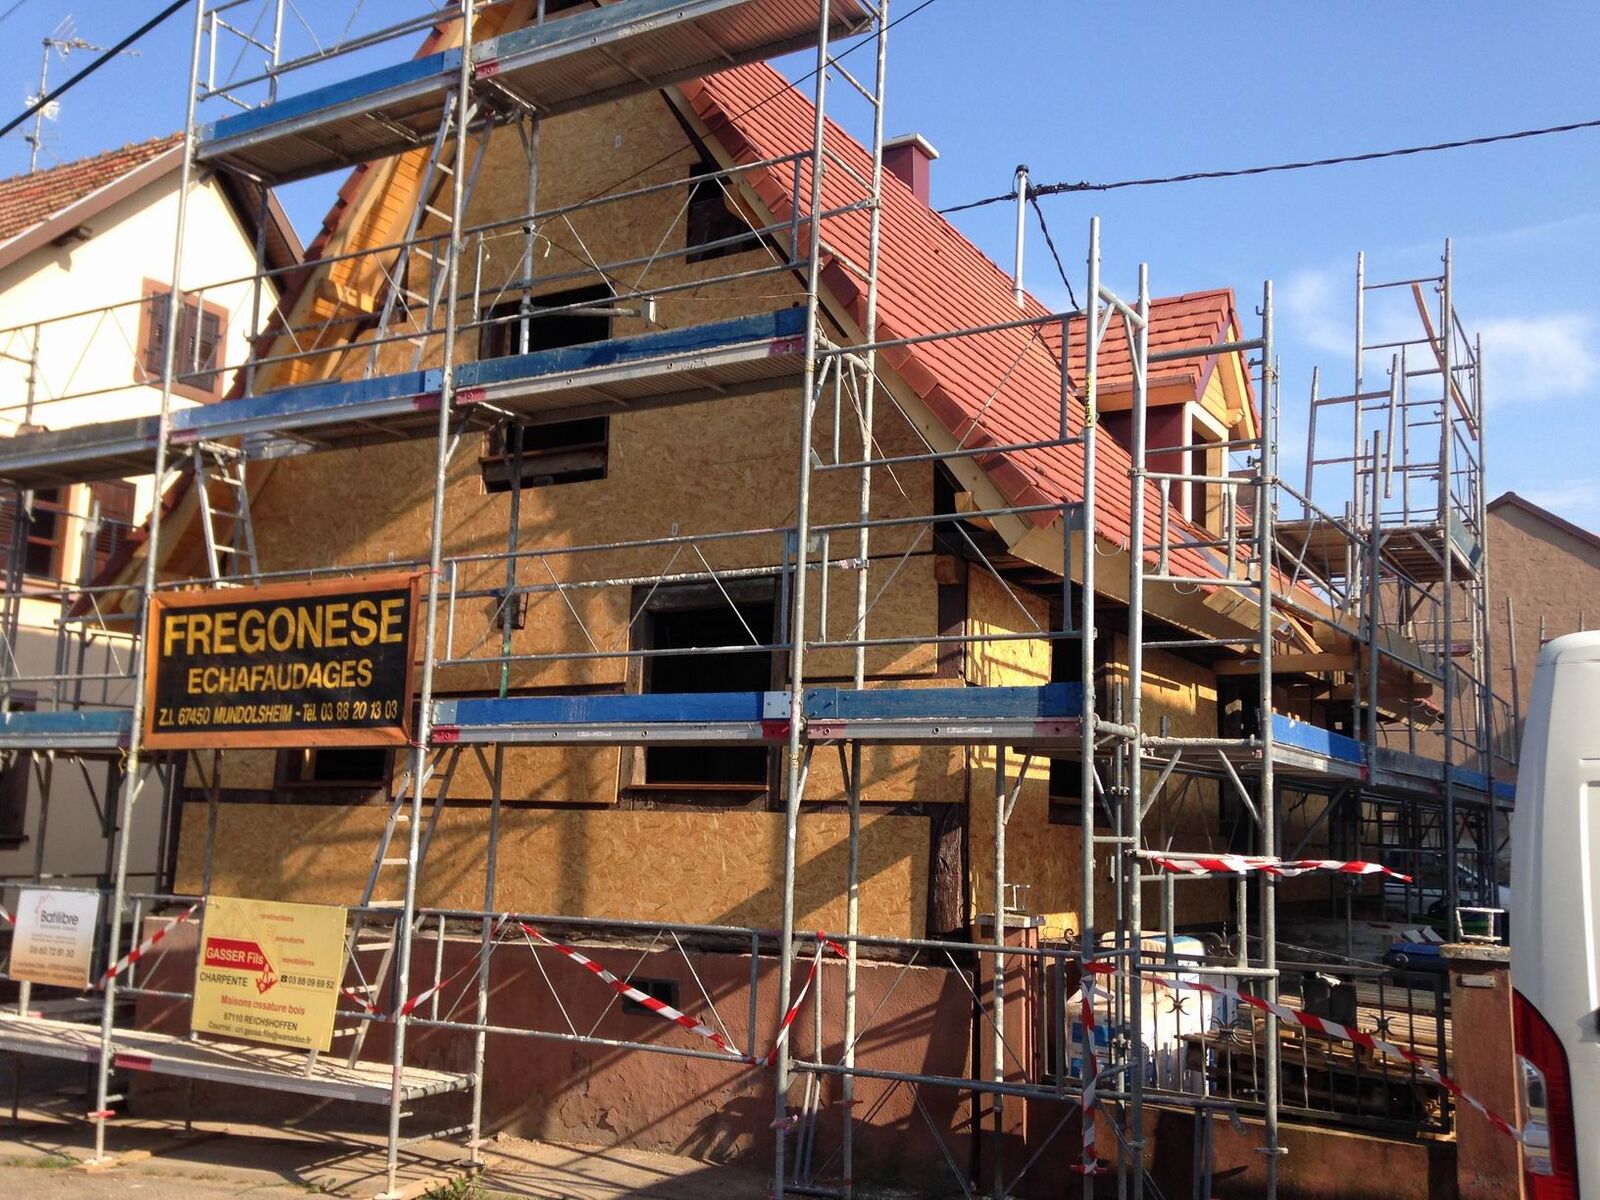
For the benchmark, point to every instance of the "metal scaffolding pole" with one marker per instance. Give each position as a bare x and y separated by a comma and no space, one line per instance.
1133,797
794,776
1087,778
142,659
419,756
869,387
1266,501
1447,316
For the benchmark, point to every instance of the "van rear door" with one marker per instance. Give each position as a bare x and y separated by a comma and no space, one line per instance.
1555,967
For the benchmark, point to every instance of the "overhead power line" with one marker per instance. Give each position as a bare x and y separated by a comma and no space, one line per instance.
11,8
1056,189
111,53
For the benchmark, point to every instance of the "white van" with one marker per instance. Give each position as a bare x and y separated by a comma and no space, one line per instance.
1555,948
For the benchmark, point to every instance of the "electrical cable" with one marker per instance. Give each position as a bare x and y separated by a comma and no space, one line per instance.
110,53
12,9
1051,242
1056,189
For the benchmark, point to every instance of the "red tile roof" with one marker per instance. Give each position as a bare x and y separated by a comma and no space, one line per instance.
26,200
993,388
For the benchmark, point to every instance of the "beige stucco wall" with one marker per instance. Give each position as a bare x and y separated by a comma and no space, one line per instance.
78,305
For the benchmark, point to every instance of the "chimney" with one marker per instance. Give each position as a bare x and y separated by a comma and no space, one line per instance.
908,157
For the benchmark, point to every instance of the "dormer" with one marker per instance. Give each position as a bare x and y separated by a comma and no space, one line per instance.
1196,406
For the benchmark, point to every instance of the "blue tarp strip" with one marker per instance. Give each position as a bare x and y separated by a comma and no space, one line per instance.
86,721
1051,702
600,710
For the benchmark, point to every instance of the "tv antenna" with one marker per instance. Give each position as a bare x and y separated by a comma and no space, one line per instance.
63,41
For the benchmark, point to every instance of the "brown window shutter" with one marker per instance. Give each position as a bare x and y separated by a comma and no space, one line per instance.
115,500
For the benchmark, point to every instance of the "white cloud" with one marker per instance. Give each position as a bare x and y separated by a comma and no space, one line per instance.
1316,307
1532,358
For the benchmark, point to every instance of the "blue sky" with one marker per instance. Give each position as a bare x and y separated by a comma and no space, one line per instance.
1100,92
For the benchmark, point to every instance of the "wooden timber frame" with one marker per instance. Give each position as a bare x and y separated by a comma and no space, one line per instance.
1265,581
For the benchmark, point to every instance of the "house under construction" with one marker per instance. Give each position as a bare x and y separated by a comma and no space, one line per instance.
894,691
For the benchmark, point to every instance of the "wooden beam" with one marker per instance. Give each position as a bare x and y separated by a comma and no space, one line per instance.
1289,664
1418,691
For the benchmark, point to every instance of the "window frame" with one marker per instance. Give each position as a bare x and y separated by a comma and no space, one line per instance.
182,384
583,460
62,509
16,785
697,597
287,776
115,533
701,230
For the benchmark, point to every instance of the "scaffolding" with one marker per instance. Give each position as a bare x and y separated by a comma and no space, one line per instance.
1364,579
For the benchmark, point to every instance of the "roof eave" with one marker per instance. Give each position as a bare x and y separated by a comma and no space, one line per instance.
37,236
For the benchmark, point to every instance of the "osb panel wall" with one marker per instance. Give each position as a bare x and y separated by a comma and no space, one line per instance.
1183,694
546,774
1042,855
715,466
994,609
713,868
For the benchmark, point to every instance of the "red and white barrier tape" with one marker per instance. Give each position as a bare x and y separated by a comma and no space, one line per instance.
144,947
1241,864
627,990
427,993
823,943
1332,1029
1091,1068
366,1005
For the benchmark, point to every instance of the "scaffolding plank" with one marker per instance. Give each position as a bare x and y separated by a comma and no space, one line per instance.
268,1067
630,46
1041,716
702,718
651,370
83,453
80,729
338,411
1288,733
366,116
574,61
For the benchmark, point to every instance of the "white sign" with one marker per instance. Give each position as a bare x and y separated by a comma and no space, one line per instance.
53,941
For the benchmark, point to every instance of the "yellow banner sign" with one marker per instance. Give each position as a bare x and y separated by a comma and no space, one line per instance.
54,938
269,972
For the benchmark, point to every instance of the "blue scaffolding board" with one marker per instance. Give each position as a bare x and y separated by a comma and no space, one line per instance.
739,356
313,416
573,61
701,718
79,730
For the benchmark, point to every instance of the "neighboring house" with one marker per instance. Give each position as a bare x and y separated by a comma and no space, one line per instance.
1547,583
86,262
